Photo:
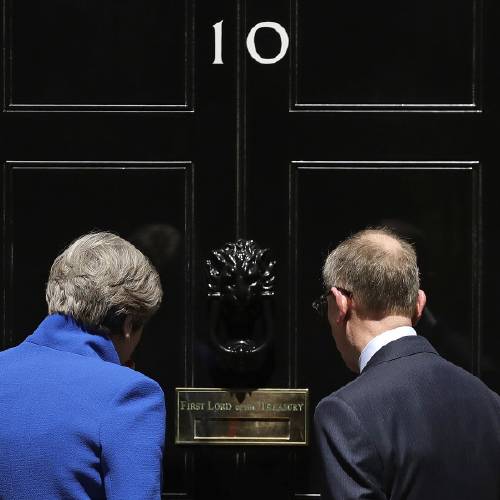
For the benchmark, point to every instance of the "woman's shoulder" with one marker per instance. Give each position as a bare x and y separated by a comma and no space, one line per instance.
125,380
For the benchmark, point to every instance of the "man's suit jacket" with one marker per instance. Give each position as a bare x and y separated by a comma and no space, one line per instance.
74,424
412,426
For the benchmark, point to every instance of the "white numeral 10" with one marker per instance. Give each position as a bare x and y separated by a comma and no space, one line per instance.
252,50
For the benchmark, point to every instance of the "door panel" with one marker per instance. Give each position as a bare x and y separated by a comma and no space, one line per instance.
93,55
50,204
396,55
325,206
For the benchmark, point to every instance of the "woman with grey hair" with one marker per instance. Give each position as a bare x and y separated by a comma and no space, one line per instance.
74,422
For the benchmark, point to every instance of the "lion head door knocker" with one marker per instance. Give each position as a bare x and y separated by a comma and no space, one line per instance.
240,290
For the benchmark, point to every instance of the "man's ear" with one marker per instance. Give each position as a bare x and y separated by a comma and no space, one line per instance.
342,304
419,308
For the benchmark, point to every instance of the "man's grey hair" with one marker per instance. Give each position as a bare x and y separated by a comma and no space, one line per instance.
380,270
101,278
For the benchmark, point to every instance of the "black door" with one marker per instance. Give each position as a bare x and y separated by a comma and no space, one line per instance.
115,117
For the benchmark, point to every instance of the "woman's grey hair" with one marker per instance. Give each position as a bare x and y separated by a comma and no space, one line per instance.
100,279
380,270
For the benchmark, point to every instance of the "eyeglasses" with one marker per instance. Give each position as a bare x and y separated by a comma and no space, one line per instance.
320,305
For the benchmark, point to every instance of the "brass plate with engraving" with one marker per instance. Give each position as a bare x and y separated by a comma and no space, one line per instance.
227,416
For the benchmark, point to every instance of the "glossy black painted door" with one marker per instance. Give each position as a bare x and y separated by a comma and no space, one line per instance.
115,118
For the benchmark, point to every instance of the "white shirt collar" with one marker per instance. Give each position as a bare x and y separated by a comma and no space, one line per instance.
380,341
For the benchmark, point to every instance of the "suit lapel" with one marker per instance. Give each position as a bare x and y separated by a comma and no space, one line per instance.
405,346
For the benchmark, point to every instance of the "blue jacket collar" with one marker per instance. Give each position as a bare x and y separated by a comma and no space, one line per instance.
64,334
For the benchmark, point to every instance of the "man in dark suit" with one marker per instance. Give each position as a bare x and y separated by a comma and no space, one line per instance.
412,426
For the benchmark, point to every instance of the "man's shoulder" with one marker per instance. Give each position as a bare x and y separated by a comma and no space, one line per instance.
458,379
388,384
356,388
342,397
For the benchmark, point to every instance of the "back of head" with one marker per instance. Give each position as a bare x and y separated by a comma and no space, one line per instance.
379,269
100,279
